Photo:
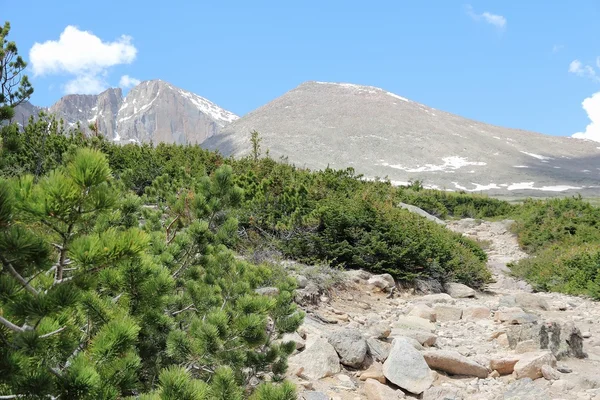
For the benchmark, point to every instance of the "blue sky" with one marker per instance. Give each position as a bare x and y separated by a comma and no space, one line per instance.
523,64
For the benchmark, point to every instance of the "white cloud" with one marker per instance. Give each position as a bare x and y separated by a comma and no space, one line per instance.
493,19
83,55
591,105
85,84
578,68
127,81
557,47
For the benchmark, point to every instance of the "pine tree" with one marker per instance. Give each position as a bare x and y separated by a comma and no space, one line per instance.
14,87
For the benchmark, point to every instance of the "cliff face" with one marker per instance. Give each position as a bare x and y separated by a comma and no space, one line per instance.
153,111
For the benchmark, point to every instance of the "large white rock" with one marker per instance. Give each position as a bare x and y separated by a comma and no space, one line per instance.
530,364
383,281
414,323
459,291
405,367
454,363
350,345
447,313
318,361
422,310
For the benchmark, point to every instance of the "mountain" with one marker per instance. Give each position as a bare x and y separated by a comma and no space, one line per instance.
152,111
381,134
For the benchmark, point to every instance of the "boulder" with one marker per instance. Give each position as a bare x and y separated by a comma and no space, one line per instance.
525,389
550,373
379,330
318,361
414,323
454,363
442,393
422,310
375,390
505,365
424,338
375,371
350,345
447,313
378,350
514,316
526,346
475,313
563,340
530,364
459,291
531,301
293,337
383,281
356,275
405,367
435,298
428,286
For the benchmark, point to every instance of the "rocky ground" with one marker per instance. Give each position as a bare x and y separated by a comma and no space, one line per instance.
366,338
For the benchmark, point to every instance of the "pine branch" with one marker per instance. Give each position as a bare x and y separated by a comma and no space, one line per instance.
190,307
17,276
10,325
59,330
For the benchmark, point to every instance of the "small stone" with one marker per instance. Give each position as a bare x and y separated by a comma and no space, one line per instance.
564,369
375,371
586,335
502,340
504,365
494,374
549,373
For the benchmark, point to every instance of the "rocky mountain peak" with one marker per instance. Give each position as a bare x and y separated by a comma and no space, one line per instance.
153,111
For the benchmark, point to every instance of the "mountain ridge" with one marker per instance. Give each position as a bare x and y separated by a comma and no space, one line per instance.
381,134
152,111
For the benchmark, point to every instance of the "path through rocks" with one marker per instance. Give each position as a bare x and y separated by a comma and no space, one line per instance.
364,340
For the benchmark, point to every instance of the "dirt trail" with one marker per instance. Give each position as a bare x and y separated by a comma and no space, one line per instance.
361,306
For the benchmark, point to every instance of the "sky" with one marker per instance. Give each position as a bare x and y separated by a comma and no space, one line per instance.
532,65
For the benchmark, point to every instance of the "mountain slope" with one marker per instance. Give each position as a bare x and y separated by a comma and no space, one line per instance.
382,134
152,111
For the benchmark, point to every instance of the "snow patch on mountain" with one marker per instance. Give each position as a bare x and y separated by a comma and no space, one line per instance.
209,108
